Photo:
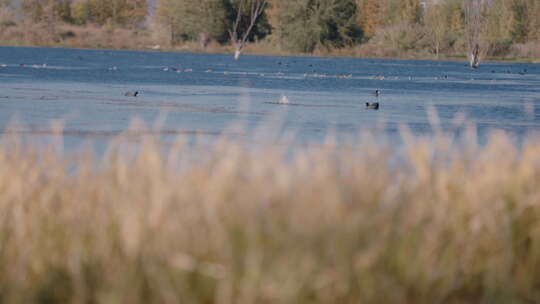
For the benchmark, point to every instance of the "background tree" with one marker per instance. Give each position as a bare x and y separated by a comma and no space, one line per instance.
7,14
309,24
474,26
201,20
80,12
372,15
166,15
400,28
410,11
274,10
8,17
436,22
456,25
535,21
207,20
125,13
245,14
301,27
49,13
520,14
46,10
497,35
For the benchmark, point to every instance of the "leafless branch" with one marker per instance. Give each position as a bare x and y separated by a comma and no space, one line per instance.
233,33
474,25
256,9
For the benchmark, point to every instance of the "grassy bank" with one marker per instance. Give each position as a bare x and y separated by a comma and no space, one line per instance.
231,225
110,37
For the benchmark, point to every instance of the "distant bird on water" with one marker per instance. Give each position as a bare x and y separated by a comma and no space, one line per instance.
377,93
372,106
132,94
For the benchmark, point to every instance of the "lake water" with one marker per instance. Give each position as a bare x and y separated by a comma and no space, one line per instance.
304,98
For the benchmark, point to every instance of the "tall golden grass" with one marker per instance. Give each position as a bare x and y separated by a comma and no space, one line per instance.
430,223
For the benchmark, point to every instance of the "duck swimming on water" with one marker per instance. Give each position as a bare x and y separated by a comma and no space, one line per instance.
372,106
132,94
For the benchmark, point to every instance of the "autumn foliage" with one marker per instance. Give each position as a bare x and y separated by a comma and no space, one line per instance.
509,28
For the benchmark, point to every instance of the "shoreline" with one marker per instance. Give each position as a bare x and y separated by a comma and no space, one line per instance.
224,50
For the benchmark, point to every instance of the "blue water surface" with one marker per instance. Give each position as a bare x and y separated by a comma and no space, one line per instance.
303,99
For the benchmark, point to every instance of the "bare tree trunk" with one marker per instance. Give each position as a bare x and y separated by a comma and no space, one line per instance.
203,40
237,53
474,25
238,39
474,60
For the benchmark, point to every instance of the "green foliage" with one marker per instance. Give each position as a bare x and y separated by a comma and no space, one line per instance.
426,27
118,12
206,20
261,28
193,19
80,12
398,11
436,27
309,24
411,11
520,29
300,31
456,25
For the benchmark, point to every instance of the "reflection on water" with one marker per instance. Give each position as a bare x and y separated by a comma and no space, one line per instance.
205,94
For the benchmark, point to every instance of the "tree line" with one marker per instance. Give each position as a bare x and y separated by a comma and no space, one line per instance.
306,26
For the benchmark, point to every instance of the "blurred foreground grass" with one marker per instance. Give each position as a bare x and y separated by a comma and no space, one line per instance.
232,225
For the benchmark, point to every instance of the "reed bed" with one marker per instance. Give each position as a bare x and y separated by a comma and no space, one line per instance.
430,223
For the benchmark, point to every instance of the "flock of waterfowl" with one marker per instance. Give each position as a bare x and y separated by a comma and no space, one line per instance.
368,105
283,100
374,105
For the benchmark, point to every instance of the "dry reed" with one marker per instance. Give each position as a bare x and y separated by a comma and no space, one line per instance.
234,225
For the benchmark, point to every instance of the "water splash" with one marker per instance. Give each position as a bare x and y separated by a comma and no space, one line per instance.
283,100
